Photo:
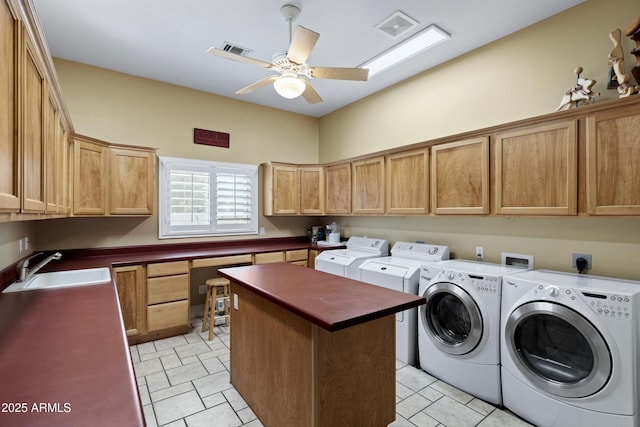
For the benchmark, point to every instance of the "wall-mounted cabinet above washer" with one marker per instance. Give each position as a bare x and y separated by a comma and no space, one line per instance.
536,170
460,177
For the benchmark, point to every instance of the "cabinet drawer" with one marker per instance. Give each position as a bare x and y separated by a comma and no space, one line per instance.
297,255
168,288
302,263
167,268
221,260
167,315
269,257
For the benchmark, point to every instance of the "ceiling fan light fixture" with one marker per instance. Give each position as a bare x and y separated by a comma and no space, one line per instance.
289,86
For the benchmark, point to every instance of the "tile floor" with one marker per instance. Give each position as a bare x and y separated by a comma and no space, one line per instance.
184,381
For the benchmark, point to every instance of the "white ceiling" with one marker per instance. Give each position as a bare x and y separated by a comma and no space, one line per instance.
167,40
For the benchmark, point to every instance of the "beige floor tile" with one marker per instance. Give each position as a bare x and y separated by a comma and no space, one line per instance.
157,381
186,373
413,378
452,392
177,407
500,418
423,420
148,367
168,392
149,416
214,383
219,416
412,405
452,413
170,342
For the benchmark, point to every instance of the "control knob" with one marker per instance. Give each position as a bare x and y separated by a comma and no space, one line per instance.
553,292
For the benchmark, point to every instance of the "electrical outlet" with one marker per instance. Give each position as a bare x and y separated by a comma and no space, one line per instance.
574,257
20,249
26,243
235,301
262,231
479,252
202,289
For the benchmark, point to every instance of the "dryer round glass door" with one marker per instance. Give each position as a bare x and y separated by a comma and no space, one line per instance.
451,318
557,349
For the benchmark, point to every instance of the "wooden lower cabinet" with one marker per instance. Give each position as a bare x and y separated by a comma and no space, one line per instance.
268,257
130,283
154,299
168,295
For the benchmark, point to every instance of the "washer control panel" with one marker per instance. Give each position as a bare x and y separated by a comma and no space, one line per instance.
484,284
603,304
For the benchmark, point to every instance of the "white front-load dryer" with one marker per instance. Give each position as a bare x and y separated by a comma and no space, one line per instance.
401,272
459,326
570,349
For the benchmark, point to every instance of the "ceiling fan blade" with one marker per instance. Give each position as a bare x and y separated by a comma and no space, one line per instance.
301,45
257,85
336,73
239,58
310,93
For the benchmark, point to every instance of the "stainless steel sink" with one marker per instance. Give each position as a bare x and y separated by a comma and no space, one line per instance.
62,279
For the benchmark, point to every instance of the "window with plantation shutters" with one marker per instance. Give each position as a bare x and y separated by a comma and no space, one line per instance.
203,198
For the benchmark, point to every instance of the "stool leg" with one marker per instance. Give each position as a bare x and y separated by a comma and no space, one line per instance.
212,318
206,309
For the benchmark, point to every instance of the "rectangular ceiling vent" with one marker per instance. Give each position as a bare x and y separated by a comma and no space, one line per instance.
397,24
234,48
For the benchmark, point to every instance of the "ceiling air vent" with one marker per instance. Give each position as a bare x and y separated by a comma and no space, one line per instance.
395,25
234,48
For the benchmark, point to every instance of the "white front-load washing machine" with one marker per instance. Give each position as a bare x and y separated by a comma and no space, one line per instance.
345,262
459,326
570,349
401,272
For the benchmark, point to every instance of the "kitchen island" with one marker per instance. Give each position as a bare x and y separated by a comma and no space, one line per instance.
313,349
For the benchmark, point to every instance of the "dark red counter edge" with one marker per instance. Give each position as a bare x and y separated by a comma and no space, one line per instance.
8,275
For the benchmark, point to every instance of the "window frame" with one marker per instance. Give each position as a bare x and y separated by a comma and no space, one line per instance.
214,227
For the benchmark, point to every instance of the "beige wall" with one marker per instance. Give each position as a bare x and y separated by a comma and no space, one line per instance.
517,77
125,109
10,234
520,76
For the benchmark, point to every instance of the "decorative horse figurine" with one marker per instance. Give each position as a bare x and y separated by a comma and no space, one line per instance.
580,92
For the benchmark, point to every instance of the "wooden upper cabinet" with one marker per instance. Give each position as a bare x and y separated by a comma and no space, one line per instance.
90,178
33,126
338,189
312,184
613,162
408,182
64,154
536,170
460,177
368,186
132,181
9,143
281,189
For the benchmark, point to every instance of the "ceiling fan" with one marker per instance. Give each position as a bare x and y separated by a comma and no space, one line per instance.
291,65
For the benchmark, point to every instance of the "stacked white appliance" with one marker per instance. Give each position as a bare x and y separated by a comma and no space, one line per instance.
345,262
570,349
459,326
401,272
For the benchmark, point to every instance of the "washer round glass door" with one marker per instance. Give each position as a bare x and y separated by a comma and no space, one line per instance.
557,349
451,318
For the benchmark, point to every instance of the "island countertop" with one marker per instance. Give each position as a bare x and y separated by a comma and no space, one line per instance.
329,301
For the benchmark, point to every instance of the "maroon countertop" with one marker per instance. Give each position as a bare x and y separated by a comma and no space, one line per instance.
64,359
65,350
329,301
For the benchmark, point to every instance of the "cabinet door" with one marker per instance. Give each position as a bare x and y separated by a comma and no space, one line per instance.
613,162
408,182
311,190
51,167
132,181
368,186
281,189
268,257
130,283
536,170
9,152
338,188
460,177
33,139
90,177
64,177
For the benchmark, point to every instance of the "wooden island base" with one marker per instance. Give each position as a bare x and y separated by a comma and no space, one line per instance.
293,372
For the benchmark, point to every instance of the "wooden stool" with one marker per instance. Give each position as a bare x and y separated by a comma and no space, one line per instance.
217,290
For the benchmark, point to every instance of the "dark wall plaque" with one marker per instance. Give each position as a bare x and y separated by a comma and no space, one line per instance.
210,137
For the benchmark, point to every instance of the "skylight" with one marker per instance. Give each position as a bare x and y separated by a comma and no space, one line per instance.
423,40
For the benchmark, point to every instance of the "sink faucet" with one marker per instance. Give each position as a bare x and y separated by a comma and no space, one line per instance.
23,266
